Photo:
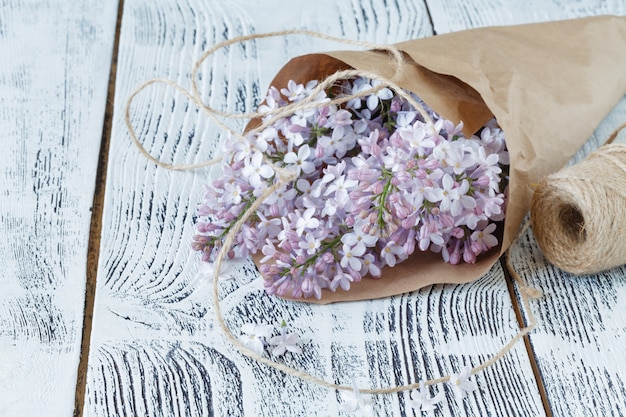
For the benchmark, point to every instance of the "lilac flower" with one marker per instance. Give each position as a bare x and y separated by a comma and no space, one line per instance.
285,342
378,97
300,160
355,401
391,253
416,136
484,238
359,85
405,118
281,197
461,383
293,92
342,280
254,337
493,139
370,266
232,193
340,187
375,182
256,170
463,201
359,240
307,221
273,100
311,244
239,149
459,160
422,401
351,257
269,250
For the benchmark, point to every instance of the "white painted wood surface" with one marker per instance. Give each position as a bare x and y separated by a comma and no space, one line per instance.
454,15
54,74
155,347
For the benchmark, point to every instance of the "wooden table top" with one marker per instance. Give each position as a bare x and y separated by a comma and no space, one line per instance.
101,312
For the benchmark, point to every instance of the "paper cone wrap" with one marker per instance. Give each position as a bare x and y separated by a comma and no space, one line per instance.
549,85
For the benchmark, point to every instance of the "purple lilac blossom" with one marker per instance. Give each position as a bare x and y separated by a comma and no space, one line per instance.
375,182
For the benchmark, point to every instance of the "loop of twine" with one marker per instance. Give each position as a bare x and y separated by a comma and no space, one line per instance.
289,109
284,177
579,213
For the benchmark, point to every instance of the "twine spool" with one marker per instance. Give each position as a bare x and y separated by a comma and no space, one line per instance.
578,214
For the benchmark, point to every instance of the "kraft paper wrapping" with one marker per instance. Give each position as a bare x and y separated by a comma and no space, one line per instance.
548,84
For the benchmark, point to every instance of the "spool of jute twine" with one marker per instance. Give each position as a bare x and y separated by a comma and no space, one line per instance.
578,214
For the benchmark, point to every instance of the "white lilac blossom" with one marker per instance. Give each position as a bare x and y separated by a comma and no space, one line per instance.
254,337
354,401
461,383
421,400
375,182
285,342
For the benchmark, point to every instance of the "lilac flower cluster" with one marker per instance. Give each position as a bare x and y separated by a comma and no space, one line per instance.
375,181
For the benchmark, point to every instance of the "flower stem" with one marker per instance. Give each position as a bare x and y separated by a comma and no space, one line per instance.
382,198
324,247
239,216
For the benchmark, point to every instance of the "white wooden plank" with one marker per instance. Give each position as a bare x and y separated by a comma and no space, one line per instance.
156,348
449,16
581,319
53,84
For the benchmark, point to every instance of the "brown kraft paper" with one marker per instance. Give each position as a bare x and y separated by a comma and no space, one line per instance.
549,85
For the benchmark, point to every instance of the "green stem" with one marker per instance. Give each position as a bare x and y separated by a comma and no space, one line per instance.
324,247
382,197
232,223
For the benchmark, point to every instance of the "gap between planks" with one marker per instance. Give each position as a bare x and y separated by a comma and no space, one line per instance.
517,307
95,228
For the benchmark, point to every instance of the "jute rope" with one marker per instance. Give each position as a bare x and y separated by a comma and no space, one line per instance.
305,104
284,177
579,213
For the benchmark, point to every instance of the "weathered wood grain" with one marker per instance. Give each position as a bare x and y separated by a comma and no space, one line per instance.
53,85
449,16
581,319
156,348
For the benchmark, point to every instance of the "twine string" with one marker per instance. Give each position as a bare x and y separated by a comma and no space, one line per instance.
579,213
140,146
285,176
615,133
308,102
608,155
284,111
392,50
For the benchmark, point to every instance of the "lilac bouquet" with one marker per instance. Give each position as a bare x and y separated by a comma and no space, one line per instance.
376,180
